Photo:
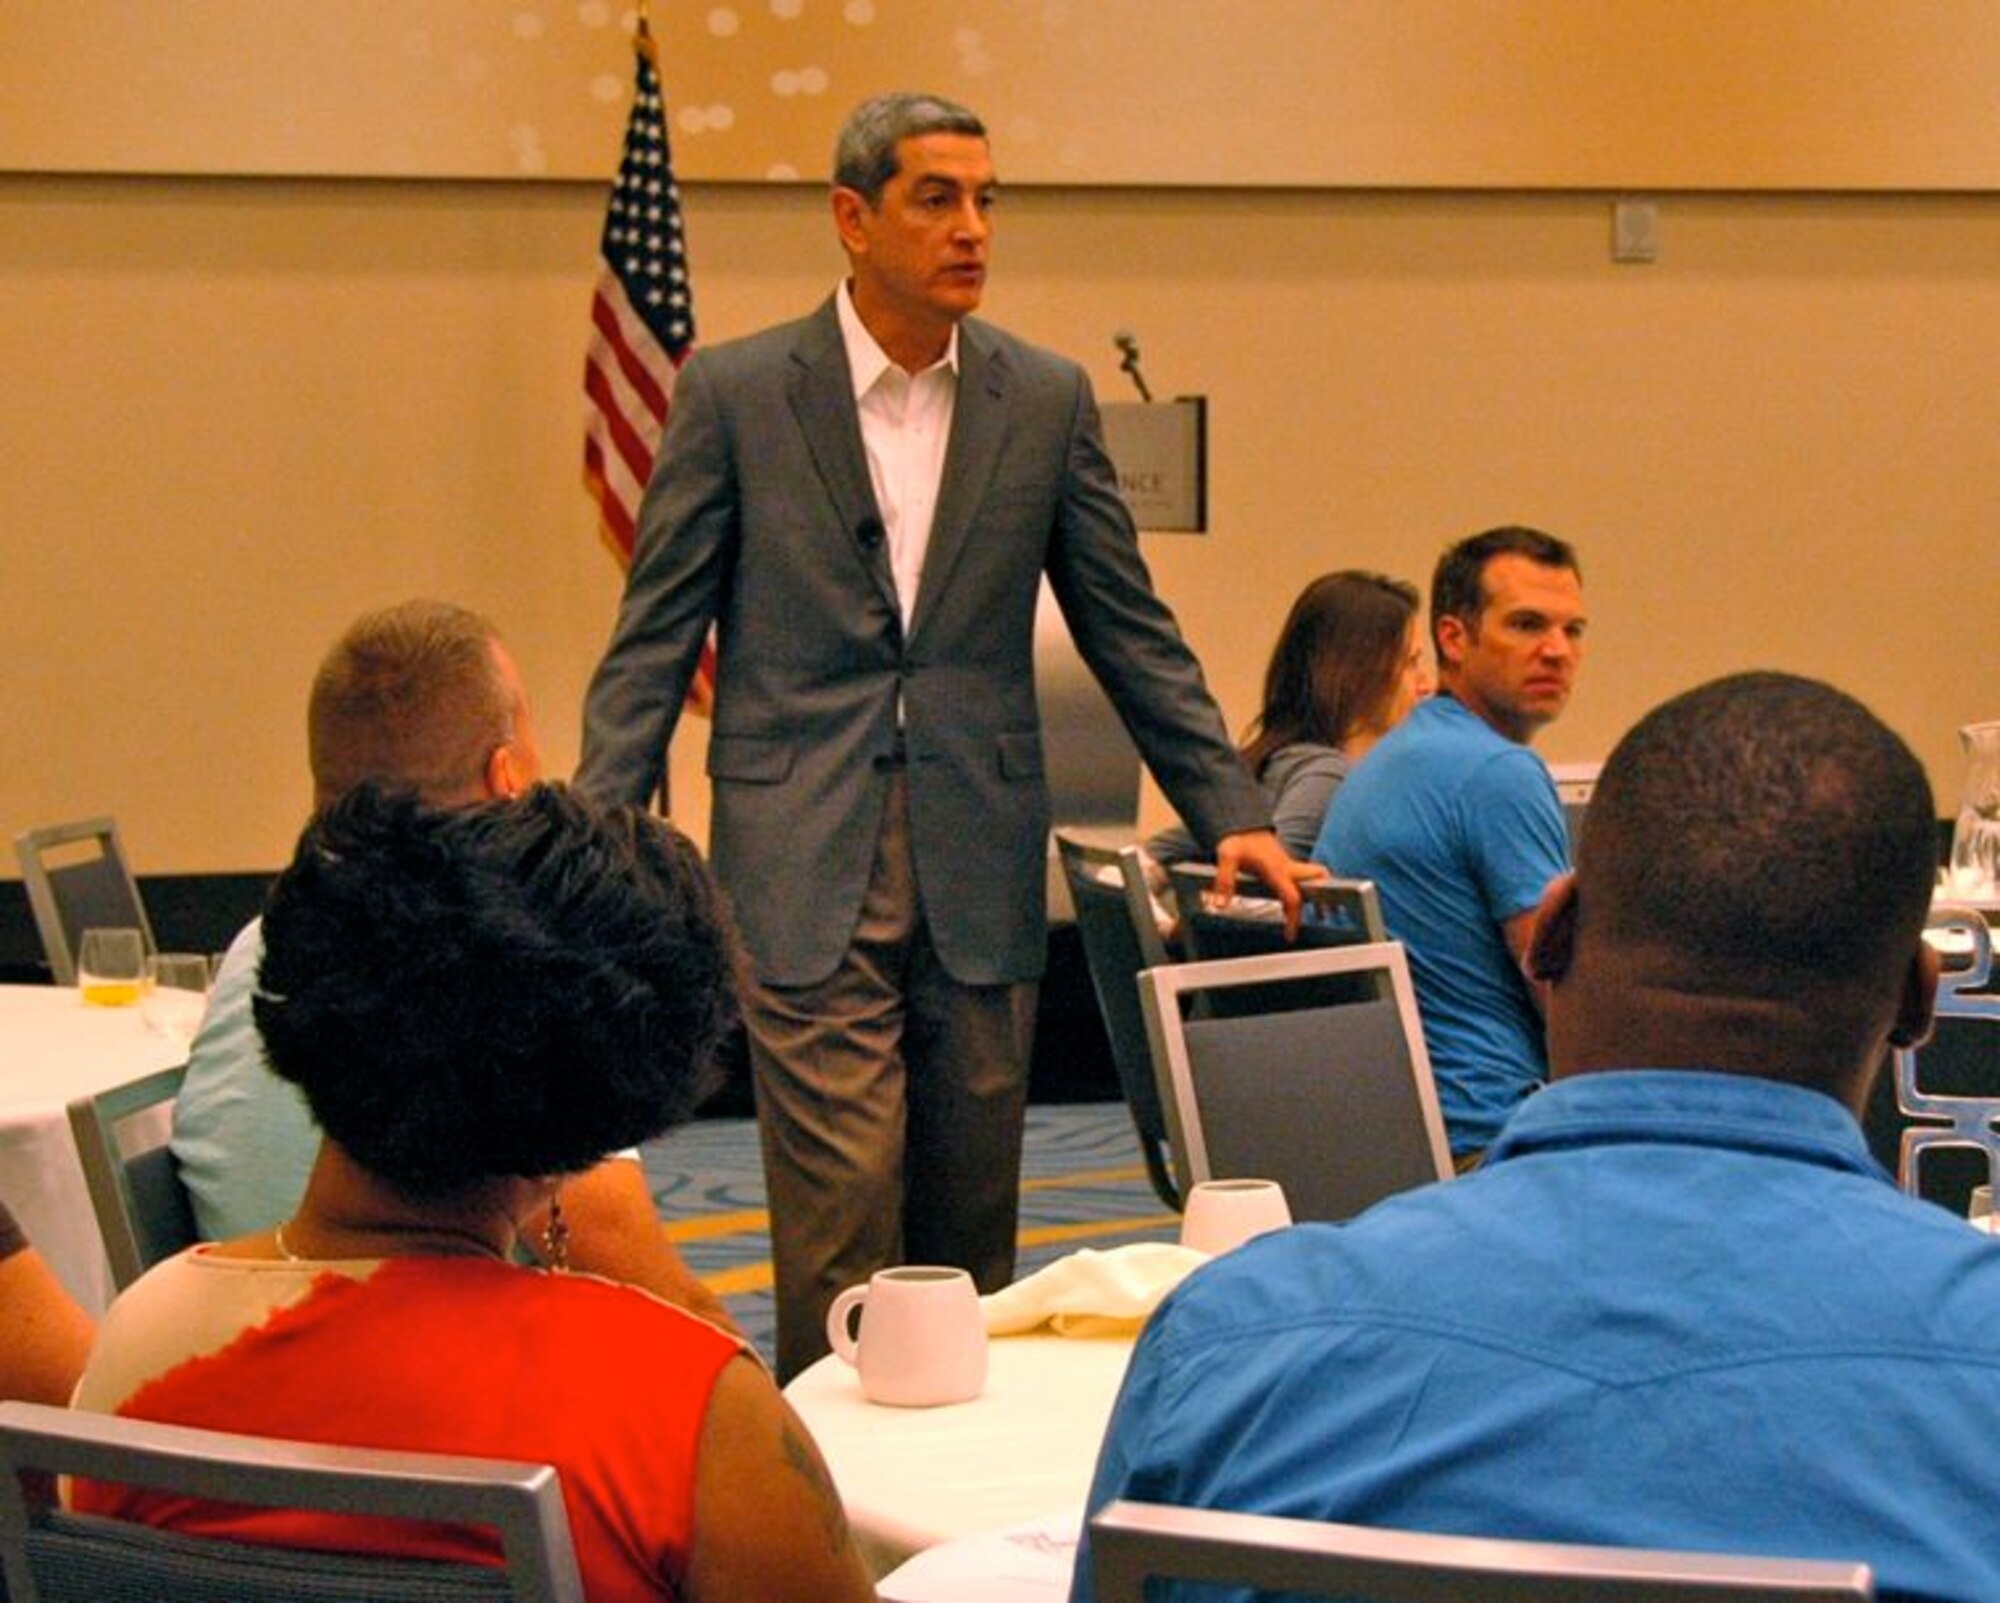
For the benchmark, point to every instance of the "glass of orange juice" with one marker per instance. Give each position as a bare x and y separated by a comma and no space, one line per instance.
111,967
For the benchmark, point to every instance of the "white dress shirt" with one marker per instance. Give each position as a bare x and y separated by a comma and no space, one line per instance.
905,426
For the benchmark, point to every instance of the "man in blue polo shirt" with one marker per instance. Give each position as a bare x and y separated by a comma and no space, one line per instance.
1458,824
1678,1306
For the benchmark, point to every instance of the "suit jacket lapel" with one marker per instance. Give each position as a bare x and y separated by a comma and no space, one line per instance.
978,430
822,394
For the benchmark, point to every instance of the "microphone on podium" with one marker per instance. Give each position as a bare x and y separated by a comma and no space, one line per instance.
1128,342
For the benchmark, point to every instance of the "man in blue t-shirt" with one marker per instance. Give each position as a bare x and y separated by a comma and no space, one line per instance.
1679,1305
1458,824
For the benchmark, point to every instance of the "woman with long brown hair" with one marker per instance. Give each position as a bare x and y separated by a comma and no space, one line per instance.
1347,668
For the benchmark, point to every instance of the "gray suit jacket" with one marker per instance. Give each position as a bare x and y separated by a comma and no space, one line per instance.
760,517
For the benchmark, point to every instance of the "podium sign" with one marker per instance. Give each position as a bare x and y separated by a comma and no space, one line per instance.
1160,452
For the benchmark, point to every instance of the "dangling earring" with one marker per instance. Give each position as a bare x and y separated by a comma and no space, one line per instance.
555,1234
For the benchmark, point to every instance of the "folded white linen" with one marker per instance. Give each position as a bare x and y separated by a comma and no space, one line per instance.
1092,1292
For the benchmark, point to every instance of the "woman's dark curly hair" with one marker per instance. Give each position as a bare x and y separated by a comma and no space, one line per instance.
515,988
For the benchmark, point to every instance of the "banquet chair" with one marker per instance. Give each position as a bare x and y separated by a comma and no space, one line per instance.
77,879
1133,1542
1114,916
1944,1120
1331,1097
1337,912
53,1556
143,1212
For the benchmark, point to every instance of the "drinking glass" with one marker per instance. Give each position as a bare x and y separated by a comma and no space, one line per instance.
1980,1209
111,967
176,994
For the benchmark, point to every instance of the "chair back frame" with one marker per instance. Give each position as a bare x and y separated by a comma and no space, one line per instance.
521,1502
1134,1542
59,926
1337,911
1951,1121
143,1211
1168,994
1116,952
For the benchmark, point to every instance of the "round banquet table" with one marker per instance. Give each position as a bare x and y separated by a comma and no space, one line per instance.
1022,1450
53,1048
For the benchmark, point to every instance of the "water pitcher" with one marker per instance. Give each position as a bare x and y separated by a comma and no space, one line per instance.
1975,843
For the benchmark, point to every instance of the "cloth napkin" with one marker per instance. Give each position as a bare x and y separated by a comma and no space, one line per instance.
1092,1293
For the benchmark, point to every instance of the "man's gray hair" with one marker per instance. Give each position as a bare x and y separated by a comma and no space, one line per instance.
864,157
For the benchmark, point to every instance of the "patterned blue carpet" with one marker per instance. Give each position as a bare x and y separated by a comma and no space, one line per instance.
1082,1186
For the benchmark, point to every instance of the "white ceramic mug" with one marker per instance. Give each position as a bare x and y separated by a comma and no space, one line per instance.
923,1336
1223,1214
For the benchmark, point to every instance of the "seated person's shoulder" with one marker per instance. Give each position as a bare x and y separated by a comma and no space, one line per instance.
242,1136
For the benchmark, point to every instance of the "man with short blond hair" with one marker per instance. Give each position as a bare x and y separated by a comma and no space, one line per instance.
424,695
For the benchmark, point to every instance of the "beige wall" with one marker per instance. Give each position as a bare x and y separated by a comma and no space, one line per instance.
1531,94
237,412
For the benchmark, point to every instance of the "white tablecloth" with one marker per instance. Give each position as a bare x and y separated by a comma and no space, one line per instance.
53,1048
1024,1449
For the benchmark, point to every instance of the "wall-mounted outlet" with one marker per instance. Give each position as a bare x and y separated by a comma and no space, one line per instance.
1635,231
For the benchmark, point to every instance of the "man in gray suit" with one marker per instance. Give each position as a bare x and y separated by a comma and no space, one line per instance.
864,503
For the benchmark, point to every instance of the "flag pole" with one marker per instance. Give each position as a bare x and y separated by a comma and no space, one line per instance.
641,321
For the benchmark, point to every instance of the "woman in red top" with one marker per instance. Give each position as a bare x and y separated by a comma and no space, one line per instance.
476,1002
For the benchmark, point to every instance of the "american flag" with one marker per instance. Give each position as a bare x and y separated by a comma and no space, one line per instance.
642,316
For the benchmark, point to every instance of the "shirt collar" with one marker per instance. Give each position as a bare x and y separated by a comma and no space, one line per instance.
1687,1107
866,360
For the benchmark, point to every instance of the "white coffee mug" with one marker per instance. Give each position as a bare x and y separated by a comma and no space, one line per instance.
923,1336
1223,1214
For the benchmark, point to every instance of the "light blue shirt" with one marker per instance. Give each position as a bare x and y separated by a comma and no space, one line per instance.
1460,829
1672,1309
244,1138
